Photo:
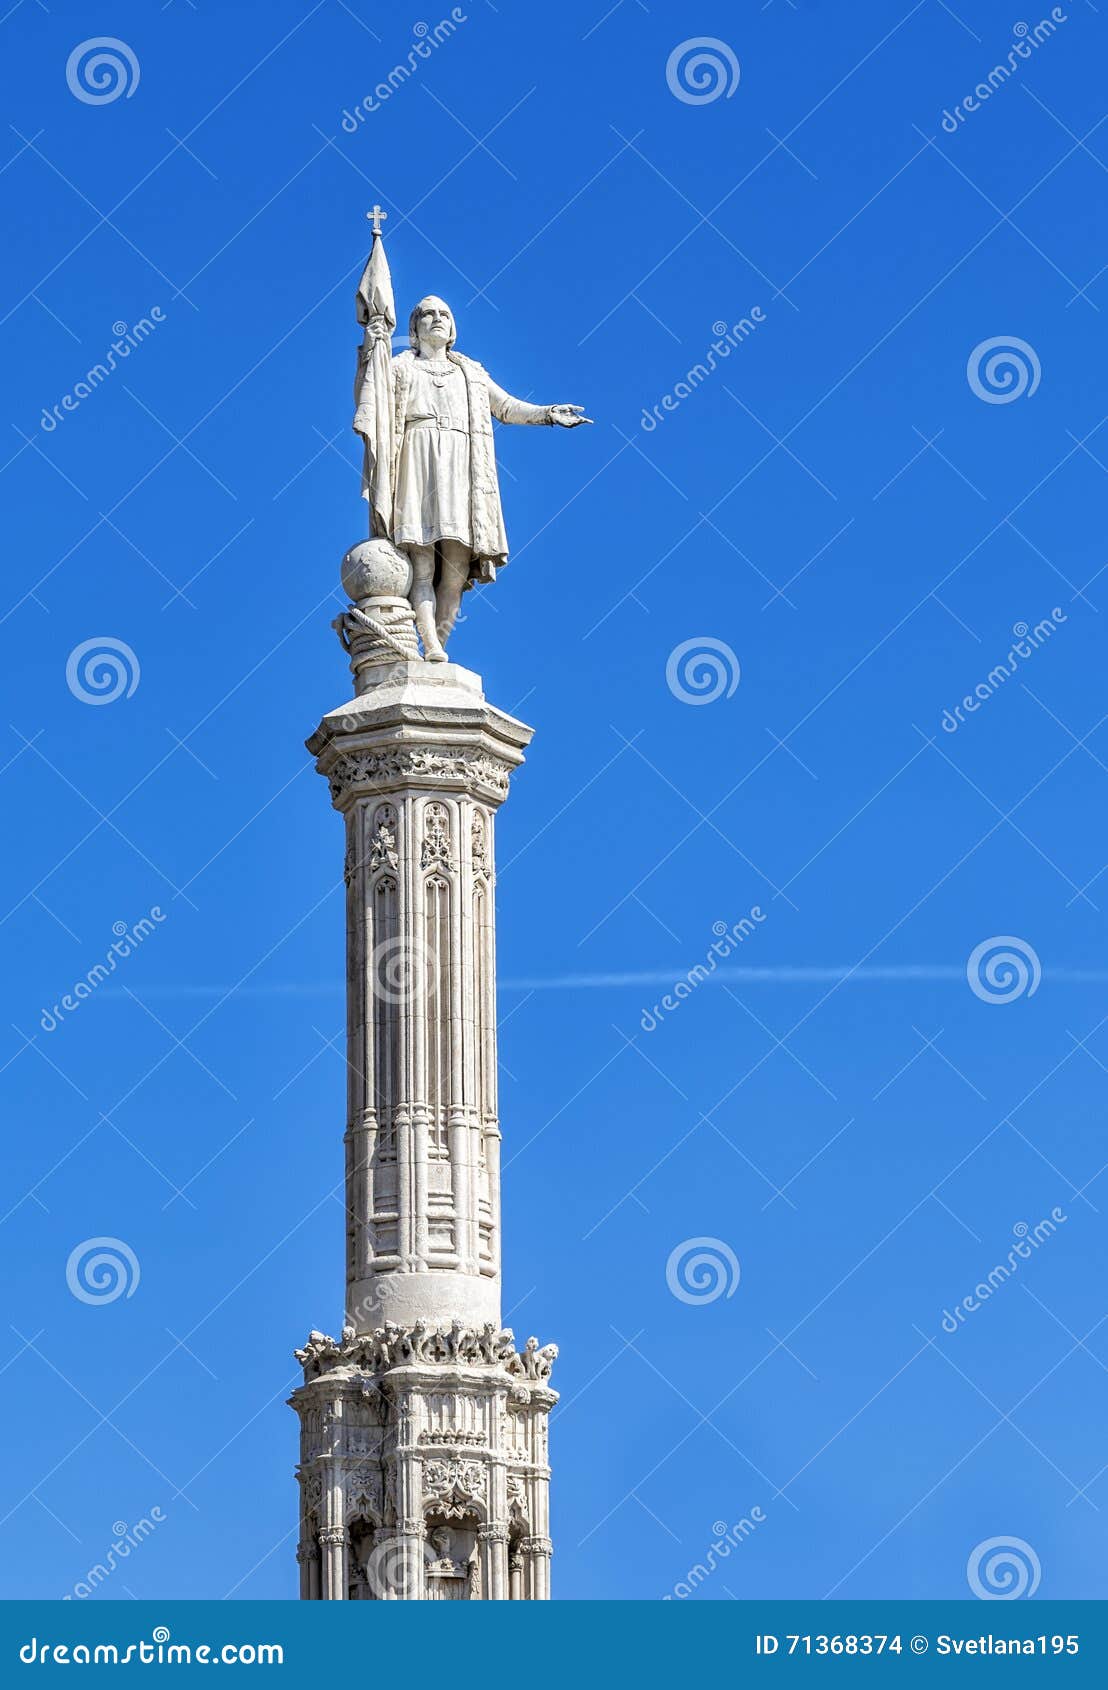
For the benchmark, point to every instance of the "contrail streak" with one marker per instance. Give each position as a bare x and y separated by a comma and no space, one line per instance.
782,974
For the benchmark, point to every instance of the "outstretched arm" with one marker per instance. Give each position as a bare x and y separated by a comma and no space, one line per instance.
508,410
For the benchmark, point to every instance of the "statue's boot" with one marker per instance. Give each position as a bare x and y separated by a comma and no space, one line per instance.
425,623
448,599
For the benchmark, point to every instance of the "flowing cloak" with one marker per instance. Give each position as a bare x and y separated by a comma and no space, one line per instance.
484,400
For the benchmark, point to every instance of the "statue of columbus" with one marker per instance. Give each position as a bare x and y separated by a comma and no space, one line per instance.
429,476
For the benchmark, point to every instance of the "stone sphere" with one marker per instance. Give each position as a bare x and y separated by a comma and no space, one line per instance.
374,569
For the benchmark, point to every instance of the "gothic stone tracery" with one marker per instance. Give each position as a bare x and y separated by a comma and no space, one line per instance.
424,1463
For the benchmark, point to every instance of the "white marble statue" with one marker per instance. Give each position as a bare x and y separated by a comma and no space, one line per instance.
425,416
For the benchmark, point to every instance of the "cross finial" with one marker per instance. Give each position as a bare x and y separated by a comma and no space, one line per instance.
376,217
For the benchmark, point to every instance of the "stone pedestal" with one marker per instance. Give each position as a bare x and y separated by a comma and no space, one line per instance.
424,1470
423,1431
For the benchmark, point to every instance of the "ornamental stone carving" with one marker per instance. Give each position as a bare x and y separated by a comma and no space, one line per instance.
451,1487
382,848
436,849
424,1345
533,1362
317,1348
478,846
454,765
364,1485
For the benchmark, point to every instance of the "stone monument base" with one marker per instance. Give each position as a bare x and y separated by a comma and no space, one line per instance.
424,1471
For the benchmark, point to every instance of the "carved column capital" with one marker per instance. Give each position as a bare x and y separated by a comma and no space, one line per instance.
536,1546
332,1534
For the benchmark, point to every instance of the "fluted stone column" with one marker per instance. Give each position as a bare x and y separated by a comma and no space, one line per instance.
536,1553
422,1464
418,767
332,1543
494,1542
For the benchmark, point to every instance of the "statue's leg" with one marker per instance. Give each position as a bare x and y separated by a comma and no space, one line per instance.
452,580
422,598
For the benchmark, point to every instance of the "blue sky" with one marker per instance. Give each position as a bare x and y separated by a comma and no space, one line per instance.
849,505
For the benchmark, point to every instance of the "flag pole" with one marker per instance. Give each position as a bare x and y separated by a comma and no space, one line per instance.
373,419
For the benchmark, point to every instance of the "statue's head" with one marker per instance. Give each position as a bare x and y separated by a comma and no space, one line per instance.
433,321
